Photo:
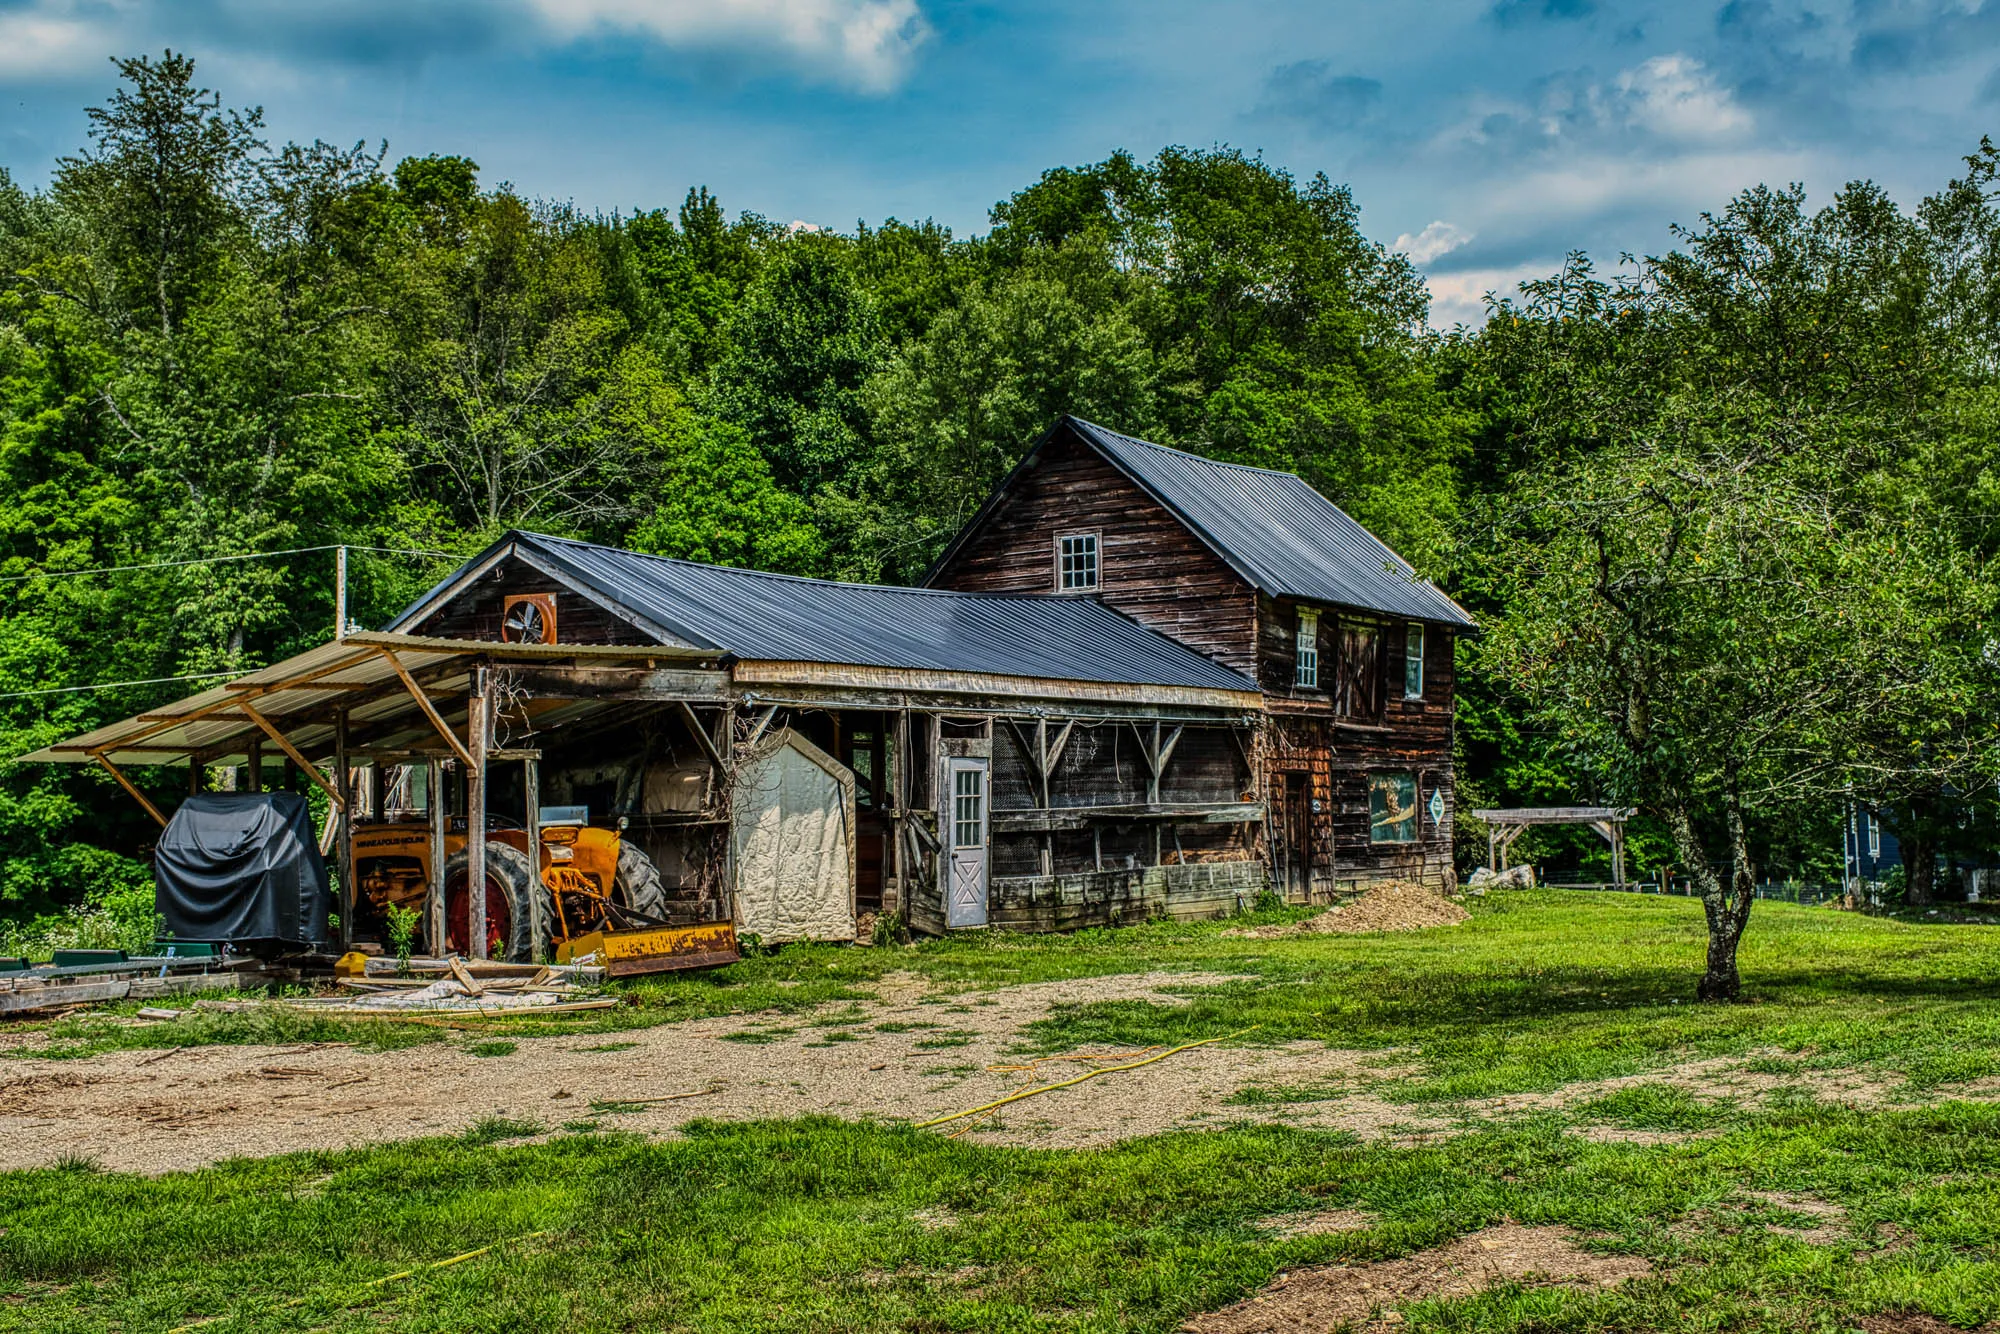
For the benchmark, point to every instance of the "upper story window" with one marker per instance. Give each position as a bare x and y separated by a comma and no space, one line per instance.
1357,692
1076,562
1307,656
1413,661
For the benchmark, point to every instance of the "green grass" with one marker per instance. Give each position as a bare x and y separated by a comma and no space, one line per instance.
812,1224
1535,991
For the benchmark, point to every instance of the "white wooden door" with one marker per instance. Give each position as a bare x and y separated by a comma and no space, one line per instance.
965,847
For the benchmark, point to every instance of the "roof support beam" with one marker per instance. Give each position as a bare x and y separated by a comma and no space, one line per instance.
311,769
126,783
701,735
430,709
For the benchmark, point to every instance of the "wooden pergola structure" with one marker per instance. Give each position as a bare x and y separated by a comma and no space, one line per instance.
1504,826
370,697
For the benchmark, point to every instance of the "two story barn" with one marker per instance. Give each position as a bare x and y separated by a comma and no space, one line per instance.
1255,569
1140,682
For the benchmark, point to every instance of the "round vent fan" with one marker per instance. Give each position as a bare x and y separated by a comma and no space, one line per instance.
528,618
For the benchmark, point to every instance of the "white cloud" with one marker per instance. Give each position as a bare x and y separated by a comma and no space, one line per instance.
1438,238
1675,96
1460,298
51,39
866,43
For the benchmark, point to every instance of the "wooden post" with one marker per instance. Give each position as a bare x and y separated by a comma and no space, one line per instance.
899,807
343,811
194,776
531,800
254,766
440,818
476,726
339,594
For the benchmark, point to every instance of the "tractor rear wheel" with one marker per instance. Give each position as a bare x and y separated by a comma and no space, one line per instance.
517,923
639,886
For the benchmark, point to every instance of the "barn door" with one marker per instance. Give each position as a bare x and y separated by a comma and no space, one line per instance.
964,819
1298,837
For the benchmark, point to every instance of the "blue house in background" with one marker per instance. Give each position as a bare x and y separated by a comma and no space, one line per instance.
1871,850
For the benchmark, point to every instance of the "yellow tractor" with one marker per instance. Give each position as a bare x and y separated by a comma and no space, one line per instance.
589,892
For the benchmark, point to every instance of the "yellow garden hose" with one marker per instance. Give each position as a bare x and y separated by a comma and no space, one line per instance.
1089,1074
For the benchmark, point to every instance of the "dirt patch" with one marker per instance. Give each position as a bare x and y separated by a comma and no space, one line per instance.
1824,1221
1913,1322
923,1056
1393,905
1318,1223
1371,1296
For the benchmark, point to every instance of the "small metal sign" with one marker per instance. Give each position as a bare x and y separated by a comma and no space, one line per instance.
1437,805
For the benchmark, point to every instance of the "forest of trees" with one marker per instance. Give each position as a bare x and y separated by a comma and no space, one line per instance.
1727,516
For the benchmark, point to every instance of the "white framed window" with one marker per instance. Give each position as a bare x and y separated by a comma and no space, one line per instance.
1874,837
1076,562
1413,661
1307,674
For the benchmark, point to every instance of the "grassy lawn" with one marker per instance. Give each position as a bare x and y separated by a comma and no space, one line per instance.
822,1224
1537,990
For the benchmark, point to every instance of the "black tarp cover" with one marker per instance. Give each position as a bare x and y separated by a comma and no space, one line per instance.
240,867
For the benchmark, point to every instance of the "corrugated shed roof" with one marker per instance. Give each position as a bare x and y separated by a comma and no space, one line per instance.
1276,530
774,617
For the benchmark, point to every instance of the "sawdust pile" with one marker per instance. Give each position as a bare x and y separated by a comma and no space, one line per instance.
1392,905
1370,1296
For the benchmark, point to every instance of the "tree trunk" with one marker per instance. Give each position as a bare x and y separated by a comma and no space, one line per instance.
1726,903
1919,849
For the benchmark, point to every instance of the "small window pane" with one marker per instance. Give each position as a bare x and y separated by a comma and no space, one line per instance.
1077,558
1392,808
1308,651
1413,663
967,827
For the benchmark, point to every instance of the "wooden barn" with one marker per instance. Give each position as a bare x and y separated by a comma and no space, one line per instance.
1139,683
1351,652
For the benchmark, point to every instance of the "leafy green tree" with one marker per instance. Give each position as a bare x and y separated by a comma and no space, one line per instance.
1714,596
800,346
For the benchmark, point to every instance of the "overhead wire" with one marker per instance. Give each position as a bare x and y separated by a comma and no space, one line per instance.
219,560
113,685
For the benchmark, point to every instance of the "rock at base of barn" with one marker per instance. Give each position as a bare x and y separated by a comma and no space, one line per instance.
1514,877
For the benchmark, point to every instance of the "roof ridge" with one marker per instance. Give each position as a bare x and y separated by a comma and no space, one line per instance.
775,575
950,593
1190,454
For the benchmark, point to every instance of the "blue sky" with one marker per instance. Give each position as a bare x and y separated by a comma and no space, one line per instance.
1485,137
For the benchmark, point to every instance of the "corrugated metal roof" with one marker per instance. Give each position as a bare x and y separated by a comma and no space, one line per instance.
751,614
1276,530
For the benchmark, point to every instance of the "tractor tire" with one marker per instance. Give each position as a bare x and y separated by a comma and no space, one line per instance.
512,887
638,886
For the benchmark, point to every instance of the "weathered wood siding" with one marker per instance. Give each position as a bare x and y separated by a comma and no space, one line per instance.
1340,753
475,613
1149,565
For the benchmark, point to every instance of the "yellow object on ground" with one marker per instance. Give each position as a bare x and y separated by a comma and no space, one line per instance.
351,964
654,949
1091,1074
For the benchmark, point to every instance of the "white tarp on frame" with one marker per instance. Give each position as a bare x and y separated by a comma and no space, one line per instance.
792,839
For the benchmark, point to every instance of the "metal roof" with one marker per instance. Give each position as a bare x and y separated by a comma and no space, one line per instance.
1277,531
754,615
299,694
1281,536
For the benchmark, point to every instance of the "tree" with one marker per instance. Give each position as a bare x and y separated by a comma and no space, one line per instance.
1716,594
800,346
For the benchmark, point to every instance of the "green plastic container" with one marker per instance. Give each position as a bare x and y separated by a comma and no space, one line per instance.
78,958
185,949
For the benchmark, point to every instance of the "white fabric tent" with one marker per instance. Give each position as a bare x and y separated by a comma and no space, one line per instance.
792,840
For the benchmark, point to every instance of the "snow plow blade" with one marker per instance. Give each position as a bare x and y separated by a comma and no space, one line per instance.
655,949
